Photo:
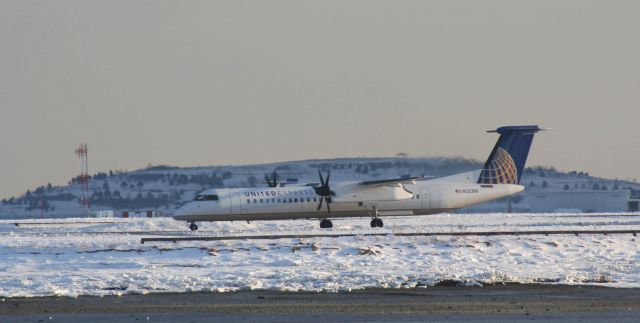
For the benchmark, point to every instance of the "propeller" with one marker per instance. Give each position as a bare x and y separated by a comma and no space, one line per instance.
273,181
324,191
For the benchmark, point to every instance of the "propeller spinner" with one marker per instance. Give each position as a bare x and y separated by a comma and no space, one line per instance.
324,191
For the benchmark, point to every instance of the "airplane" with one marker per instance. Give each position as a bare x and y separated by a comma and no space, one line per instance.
499,177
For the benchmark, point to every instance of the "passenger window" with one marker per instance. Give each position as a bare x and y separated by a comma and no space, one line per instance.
248,201
290,200
278,200
417,196
314,199
295,200
261,201
255,201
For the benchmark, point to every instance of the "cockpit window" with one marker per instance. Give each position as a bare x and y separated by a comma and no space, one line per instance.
206,198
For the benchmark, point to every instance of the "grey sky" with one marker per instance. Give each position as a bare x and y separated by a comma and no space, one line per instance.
217,82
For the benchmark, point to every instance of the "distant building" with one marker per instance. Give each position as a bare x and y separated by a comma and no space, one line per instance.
584,201
634,204
103,214
141,214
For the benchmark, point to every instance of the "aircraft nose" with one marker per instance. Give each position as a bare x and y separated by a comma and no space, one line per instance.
183,212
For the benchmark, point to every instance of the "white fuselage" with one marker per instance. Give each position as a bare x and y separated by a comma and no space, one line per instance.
351,200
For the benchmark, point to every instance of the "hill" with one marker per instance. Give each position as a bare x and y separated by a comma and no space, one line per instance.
165,188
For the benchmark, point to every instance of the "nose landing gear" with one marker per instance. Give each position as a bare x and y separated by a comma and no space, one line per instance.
193,226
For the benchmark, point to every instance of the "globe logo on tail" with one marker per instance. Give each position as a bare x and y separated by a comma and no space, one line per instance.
500,170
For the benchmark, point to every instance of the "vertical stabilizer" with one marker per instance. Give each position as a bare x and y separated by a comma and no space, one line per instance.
506,163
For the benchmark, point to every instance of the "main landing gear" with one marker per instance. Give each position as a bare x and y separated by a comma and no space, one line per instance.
326,224
375,221
193,226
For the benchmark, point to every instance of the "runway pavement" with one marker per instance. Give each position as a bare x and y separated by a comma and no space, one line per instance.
442,303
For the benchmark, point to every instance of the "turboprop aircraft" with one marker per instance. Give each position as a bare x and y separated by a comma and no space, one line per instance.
500,177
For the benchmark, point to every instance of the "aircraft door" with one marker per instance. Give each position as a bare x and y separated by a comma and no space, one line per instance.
224,204
425,195
236,203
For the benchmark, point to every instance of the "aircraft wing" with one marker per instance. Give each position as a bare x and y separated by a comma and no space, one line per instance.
392,189
383,182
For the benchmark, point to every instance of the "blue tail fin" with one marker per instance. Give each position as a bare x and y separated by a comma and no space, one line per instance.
505,165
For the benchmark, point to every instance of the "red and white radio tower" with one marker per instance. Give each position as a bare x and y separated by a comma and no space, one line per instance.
83,153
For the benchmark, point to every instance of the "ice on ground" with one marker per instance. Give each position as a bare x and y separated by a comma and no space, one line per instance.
66,257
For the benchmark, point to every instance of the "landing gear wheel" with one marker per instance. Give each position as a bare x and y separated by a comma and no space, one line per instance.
326,224
193,226
376,223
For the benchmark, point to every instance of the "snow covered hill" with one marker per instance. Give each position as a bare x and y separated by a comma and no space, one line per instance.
164,188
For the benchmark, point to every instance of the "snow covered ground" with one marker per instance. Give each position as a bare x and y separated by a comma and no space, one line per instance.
63,257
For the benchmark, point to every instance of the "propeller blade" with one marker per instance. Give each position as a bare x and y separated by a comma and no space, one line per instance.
328,175
320,204
328,207
321,179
